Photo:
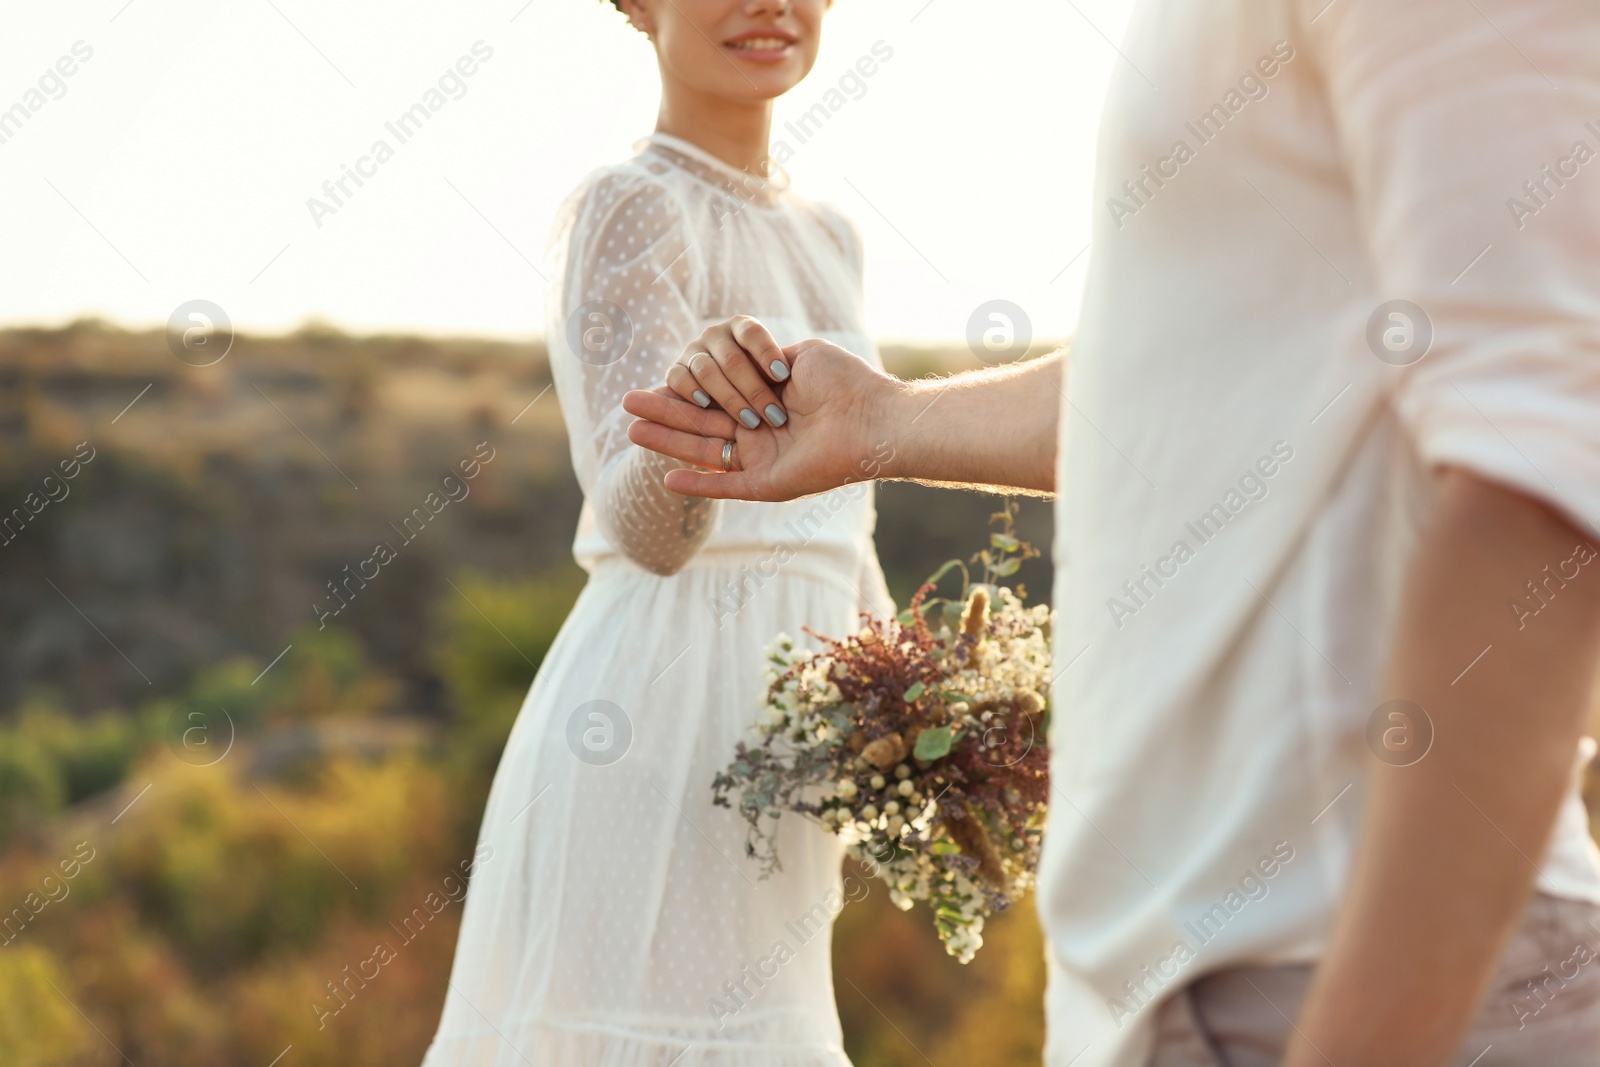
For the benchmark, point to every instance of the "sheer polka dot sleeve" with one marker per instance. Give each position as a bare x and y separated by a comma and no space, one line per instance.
627,302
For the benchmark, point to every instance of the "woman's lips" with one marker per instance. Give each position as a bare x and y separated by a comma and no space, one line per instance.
762,48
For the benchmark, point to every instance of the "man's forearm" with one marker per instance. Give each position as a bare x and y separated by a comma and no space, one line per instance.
993,429
1448,844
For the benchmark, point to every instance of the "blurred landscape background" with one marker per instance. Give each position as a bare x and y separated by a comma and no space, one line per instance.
215,800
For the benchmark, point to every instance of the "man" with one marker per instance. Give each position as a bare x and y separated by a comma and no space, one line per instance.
1328,490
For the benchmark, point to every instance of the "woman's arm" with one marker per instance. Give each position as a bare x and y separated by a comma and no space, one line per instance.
626,307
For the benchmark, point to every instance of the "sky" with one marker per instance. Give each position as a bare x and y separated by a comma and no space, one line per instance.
176,160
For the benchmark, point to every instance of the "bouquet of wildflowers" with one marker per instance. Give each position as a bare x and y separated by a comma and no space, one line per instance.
920,740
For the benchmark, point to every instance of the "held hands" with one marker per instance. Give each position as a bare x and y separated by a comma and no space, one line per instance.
823,432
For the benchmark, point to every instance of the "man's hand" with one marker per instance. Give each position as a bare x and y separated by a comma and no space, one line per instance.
839,411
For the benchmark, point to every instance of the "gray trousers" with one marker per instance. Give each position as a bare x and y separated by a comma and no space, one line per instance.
1542,1010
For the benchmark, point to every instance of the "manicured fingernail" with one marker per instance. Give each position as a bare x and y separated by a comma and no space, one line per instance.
750,419
701,398
779,371
775,415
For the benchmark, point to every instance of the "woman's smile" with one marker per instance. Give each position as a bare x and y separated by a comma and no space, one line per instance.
767,44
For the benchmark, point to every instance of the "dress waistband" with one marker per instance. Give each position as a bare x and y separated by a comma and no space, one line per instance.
835,565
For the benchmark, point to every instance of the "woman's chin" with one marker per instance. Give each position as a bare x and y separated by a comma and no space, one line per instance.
772,73
768,88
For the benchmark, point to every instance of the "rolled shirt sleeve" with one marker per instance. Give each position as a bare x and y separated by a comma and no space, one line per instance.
1472,134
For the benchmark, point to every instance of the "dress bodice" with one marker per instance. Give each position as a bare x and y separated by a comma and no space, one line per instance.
650,252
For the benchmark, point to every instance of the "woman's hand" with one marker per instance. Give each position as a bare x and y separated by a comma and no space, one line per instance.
729,365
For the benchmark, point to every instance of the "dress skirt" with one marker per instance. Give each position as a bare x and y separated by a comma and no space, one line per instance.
613,919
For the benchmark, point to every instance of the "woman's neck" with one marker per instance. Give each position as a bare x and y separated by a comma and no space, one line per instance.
736,133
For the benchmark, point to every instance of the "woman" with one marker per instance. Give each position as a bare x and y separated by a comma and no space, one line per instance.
613,918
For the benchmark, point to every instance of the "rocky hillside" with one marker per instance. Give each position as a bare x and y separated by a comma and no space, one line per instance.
209,508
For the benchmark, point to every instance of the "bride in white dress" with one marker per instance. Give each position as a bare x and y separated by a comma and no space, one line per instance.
613,919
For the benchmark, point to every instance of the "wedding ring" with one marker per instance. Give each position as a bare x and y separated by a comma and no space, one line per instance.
727,457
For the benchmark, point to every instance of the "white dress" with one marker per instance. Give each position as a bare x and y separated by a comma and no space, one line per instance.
613,919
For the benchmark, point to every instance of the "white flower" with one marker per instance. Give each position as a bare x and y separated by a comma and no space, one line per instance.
847,788
905,788
877,781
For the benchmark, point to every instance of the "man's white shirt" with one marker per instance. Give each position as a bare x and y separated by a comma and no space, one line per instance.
1294,202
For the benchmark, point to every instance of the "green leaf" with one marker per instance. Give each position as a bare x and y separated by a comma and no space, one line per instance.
914,692
944,848
1005,542
931,744
1006,568
933,579
905,618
